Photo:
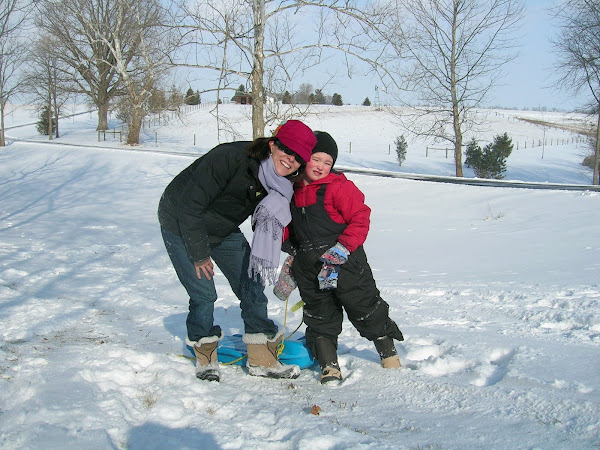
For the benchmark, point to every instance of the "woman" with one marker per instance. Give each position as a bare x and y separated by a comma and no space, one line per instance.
200,212
330,223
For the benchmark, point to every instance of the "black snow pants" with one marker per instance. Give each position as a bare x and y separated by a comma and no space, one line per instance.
315,232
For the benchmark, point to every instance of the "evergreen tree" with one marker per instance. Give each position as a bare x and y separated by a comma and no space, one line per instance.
42,124
474,155
189,97
489,162
337,100
287,98
367,102
401,148
319,97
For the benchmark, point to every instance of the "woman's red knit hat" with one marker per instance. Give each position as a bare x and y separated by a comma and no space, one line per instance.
298,137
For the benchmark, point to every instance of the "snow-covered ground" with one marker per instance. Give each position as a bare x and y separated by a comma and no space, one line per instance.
495,289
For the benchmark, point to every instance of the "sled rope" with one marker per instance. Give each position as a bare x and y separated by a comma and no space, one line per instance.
281,345
234,361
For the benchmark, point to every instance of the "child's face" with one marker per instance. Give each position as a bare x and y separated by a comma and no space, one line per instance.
318,167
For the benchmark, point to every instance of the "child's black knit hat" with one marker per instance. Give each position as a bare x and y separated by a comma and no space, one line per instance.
326,144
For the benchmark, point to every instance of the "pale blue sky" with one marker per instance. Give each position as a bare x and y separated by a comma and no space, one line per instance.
528,81
529,78
527,84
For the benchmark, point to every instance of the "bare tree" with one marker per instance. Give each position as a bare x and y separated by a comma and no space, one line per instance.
577,46
12,57
45,82
270,43
138,23
86,31
456,50
12,17
303,94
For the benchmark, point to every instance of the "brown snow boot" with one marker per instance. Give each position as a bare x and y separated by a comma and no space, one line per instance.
262,357
328,360
207,364
387,352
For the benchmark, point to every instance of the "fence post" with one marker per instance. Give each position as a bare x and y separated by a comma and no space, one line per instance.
350,147
426,152
156,137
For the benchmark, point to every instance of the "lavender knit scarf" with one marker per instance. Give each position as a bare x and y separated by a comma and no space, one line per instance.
268,220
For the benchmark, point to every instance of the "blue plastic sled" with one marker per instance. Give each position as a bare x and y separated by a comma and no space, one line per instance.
231,348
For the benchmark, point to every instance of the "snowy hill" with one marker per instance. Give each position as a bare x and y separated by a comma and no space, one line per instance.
495,289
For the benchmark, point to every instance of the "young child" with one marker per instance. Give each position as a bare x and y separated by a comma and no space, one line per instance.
330,223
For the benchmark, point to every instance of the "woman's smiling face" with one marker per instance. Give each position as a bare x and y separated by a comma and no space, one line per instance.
318,167
284,164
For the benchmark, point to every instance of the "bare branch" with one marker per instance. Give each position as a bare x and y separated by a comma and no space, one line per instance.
577,47
456,50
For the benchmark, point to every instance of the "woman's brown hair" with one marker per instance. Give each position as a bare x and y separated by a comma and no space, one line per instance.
259,148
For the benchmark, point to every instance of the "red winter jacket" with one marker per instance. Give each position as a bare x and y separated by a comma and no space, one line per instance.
344,203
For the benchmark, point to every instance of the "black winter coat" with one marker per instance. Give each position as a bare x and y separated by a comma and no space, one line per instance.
209,199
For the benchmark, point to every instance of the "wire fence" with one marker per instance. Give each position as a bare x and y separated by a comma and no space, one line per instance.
527,143
155,120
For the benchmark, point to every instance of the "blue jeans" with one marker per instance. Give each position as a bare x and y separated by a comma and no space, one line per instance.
232,257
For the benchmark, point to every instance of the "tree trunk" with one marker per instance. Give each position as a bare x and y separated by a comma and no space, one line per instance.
2,138
457,143
455,104
133,137
50,127
56,117
102,116
597,154
258,117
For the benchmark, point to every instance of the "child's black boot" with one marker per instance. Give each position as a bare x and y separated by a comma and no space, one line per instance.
387,352
327,355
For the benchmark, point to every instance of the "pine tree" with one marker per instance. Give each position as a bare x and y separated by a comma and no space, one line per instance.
401,148
491,161
189,97
474,155
287,98
319,97
367,102
337,100
42,124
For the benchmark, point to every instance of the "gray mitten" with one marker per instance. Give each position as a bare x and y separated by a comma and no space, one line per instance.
285,284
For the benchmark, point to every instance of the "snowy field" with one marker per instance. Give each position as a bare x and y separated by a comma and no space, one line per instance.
495,289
